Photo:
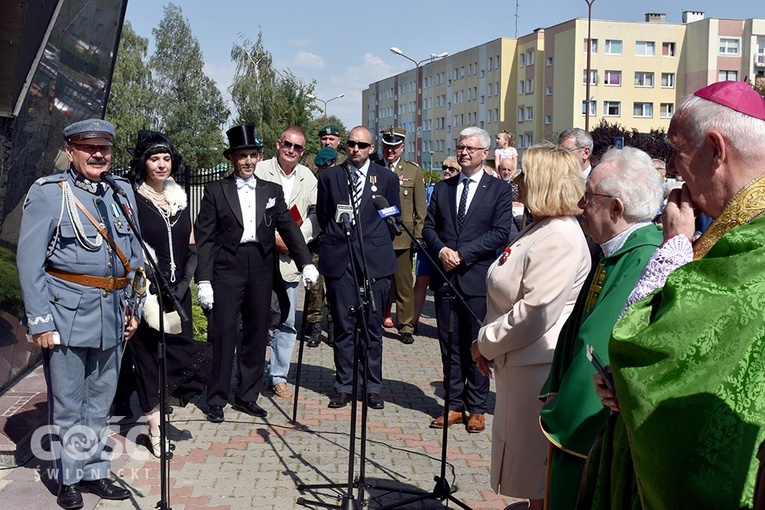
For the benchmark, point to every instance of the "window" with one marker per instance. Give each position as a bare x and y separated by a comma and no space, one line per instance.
593,108
528,140
613,78
645,49
529,58
593,76
548,91
548,120
729,46
668,80
613,47
643,79
496,114
520,113
643,110
666,110
668,49
462,72
529,113
612,108
727,75
521,87
529,85
521,61
548,62
593,47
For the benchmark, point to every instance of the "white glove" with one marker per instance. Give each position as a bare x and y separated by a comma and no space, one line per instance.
310,275
205,295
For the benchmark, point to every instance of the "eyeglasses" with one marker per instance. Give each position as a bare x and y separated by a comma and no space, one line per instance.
361,145
447,168
588,194
289,145
469,149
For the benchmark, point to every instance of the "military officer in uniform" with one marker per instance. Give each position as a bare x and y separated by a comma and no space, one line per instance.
325,158
413,210
329,136
77,256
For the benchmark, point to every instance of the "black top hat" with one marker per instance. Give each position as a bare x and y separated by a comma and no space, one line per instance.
243,137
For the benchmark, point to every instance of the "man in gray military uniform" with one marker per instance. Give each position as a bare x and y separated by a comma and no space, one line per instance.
76,258
413,211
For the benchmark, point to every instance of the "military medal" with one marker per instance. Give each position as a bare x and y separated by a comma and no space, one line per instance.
373,181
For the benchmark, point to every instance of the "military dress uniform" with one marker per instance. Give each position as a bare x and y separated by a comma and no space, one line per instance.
89,317
413,211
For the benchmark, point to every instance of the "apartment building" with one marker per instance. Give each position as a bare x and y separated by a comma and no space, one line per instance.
536,85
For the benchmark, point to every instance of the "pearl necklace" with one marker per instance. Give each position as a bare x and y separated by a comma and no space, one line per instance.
166,215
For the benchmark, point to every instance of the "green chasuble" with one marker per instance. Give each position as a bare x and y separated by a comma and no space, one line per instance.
572,419
689,370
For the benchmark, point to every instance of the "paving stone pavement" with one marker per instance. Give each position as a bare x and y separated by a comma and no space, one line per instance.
256,463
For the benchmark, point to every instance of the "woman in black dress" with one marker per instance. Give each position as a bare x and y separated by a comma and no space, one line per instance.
167,228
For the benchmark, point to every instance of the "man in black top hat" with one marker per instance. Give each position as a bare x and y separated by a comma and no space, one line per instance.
235,235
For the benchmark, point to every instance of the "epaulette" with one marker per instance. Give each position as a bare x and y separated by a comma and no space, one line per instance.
412,163
53,178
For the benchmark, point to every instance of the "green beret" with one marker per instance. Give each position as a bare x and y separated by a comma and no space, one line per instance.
327,156
329,130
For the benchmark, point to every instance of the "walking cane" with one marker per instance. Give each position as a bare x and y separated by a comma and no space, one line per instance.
301,339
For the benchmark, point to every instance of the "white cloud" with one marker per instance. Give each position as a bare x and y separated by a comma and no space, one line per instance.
308,60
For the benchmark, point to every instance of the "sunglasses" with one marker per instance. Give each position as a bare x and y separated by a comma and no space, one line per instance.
446,168
361,145
289,145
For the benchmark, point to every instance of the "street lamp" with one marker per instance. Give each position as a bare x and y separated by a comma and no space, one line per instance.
432,58
311,96
589,57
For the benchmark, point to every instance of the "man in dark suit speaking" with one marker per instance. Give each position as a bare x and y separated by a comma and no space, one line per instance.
366,181
468,220
235,235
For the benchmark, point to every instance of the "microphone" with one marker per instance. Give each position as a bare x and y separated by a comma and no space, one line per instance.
387,212
109,179
343,215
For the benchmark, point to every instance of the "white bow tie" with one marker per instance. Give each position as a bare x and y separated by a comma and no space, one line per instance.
241,183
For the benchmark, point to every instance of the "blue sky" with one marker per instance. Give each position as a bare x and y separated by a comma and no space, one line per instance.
344,45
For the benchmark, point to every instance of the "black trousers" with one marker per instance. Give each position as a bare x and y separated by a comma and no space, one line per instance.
242,284
468,388
341,294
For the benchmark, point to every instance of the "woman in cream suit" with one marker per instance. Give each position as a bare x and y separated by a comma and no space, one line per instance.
531,290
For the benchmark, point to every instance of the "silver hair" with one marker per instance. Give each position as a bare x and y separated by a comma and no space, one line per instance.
476,131
582,137
634,181
744,133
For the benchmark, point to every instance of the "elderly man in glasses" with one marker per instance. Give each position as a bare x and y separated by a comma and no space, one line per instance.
346,212
413,209
578,141
468,220
236,232
299,186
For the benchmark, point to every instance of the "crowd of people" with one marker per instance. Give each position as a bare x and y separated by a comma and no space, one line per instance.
661,283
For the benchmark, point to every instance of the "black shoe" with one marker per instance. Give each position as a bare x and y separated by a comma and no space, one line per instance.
315,336
375,401
339,400
330,335
250,408
104,489
69,497
215,414
407,338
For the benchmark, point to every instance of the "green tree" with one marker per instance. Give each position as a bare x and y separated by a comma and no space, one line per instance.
191,110
132,98
654,143
269,99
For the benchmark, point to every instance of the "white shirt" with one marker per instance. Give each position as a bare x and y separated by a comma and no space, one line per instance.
475,179
363,170
247,202
288,183
612,245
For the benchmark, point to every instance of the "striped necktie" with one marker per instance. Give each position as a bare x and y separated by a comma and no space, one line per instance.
358,188
463,205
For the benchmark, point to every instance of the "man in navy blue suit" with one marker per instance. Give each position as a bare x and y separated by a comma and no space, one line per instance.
335,187
469,218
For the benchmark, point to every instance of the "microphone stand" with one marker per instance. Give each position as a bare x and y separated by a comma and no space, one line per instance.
365,301
442,490
164,289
